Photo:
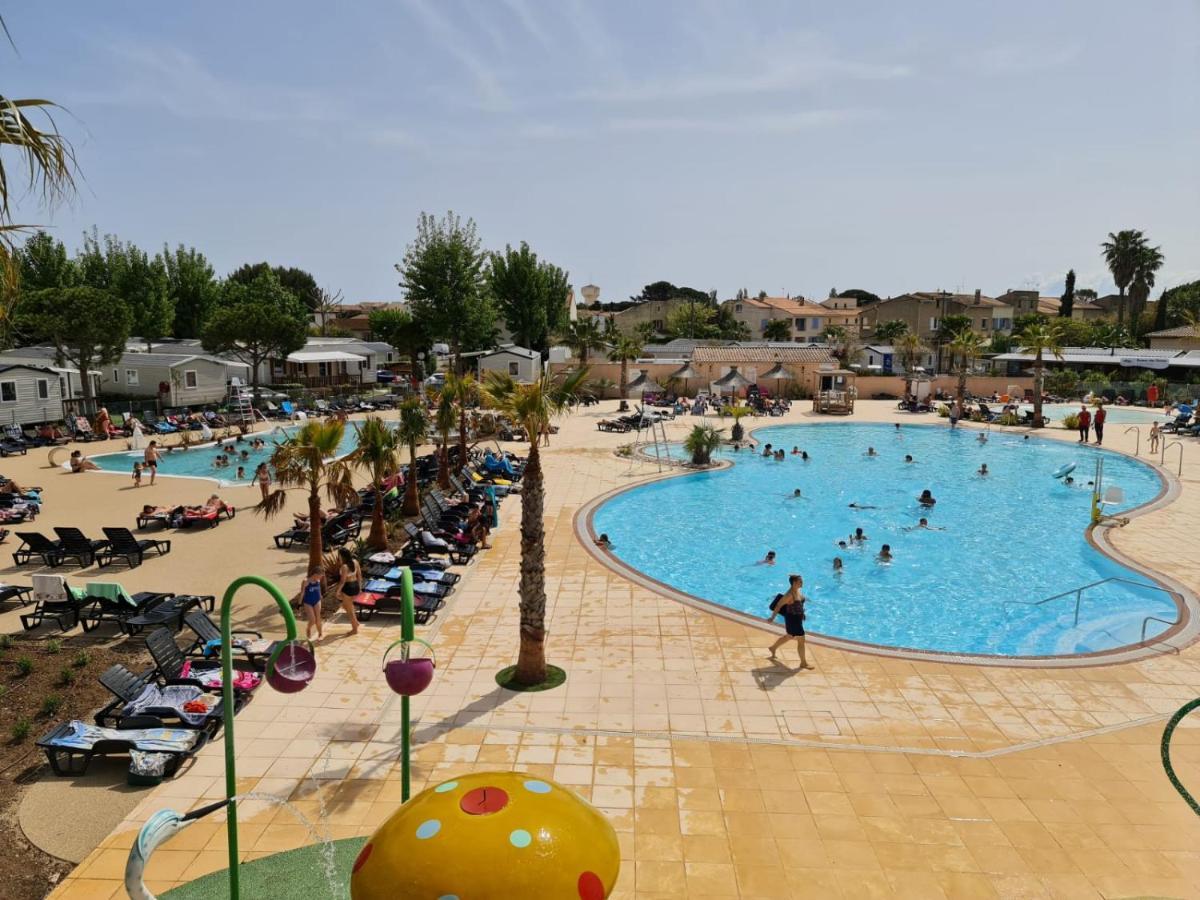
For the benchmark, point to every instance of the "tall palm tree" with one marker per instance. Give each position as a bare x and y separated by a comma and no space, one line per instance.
443,420
965,347
910,349
464,389
533,407
1040,338
1122,251
1149,261
410,431
377,455
306,462
583,336
777,330
625,349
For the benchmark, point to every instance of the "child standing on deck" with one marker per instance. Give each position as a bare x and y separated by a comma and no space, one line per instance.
137,474
310,601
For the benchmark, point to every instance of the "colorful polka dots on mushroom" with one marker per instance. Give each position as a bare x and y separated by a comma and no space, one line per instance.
463,838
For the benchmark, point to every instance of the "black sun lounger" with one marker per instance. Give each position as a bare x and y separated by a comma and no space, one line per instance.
76,545
127,687
71,746
34,543
122,543
168,613
247,644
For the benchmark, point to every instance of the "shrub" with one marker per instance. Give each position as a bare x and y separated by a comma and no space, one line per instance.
701,443
5,641
53,646
80,660
943,410
1071,421
66,675
1009,418
51,705
20,730
24,666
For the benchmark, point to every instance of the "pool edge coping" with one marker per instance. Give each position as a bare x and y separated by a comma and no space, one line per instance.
1186,602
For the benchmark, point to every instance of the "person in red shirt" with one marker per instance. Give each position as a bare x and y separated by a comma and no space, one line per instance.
1085,424
1098,423
1152,395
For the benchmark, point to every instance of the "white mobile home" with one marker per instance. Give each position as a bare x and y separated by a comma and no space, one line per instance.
523,365
179,379
30,394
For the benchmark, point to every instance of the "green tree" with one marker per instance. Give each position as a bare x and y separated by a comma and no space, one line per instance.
910,348
890,331
531,295
625,349
1085,295
306,462
1106,333
406,333
702,442
533,407
256,322
778,330
1122,252
1039,339
658,290
729,328
691,320
965,347
444,419
1149,261
376,455
125,271
298,282
1021,322
442,275
1075,333
411,427
192,288
1067,305
44,263
464,390
582,336
1180,302
864,298
948,327
87,326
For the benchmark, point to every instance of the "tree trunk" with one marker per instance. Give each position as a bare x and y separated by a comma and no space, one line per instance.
85,382
377,537
412,498
444,464
462,433
962,385
1121,306
624,379
1037,391
531,659
315,550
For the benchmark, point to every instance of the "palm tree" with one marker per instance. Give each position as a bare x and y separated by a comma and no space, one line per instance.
1121,254
464,389
910,349
965,347
306,461
533,407
890,331
842,341
701,443
1149,261
778,330
377,455
583,336
600,387
410,431
625,349
443,421
1040,338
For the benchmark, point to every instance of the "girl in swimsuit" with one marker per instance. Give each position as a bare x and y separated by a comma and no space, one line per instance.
791,607
349,585
310,597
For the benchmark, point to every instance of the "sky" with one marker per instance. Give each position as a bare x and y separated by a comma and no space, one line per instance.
772,145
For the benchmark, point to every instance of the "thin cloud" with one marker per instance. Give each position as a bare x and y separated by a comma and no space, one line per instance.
455,43
1018,58
769,123
524,15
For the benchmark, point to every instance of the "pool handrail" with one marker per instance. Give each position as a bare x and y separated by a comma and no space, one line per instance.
1146,621
1078,592
1137,450
1163,459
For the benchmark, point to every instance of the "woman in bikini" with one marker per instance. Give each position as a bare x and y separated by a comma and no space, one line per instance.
349,585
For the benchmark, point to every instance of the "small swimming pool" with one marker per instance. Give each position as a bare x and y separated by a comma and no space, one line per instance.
198,461
1004,541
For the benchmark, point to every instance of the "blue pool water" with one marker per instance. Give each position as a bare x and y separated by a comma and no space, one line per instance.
1014,535
197,462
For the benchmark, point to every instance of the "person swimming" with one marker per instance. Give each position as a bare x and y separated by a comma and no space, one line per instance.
768,560
908,458
804,455
843,545
871,451
862,506
923,525
796,495
926,498
795,451
982,437
885,553
766,450
837,565
858,537
603,542
983,469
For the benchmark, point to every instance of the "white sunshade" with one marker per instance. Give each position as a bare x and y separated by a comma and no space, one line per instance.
318,356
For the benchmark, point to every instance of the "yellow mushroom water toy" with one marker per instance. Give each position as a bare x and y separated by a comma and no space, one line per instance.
488,836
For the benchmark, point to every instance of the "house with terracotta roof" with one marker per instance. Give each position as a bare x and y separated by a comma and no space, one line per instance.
1182,337
806,320
1026,302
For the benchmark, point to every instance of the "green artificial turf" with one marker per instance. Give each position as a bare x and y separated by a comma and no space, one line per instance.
291,875
554,677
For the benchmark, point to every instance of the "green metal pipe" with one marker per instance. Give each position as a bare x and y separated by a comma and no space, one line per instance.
227,704
1168,733
407,633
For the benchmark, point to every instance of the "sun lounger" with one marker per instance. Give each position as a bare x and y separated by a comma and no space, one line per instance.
168,613
368,603
9,591
106,601
71,746
430,543
76,545
172,664
250,645
164,517
34,543
140,695
54,599
82,429
122,543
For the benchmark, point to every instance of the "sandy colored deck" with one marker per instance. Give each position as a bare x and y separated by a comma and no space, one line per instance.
724,776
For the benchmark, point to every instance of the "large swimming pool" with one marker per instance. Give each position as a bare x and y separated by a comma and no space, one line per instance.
200,461
1003,541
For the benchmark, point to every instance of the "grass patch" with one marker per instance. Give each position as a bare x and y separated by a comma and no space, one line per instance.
66,675
554,677
20,730
5,641
54,646
295,874
80,660
24,666
51,705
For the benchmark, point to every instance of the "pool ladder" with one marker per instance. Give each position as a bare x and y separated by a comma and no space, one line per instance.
1079,591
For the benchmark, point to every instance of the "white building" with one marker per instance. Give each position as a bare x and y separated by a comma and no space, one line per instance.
30,394
523,365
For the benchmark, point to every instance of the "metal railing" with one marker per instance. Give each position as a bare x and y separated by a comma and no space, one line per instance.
1146,621
1137,451
1078,594
1168,445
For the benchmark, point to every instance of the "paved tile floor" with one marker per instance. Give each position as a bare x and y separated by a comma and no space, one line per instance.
723,775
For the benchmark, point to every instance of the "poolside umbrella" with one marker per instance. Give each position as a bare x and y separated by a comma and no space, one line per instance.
686,374
778,374
644,384
733,381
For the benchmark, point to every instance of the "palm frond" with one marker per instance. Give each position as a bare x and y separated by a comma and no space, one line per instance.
48,157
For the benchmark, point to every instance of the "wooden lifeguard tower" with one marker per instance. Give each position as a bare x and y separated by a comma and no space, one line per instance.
835,392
